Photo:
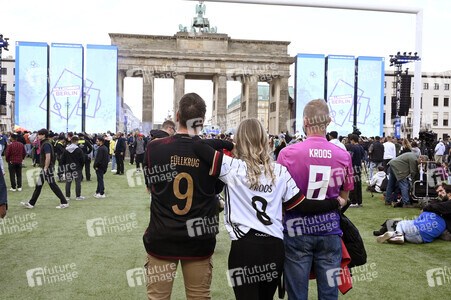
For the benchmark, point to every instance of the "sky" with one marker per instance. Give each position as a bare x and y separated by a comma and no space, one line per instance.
310,30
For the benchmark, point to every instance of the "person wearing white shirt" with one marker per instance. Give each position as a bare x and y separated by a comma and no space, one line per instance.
333,139
389,152
439,151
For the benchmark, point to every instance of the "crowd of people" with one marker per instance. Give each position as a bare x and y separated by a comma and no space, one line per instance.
271,186
70,157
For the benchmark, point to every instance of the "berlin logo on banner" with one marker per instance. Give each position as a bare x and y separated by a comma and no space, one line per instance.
66,97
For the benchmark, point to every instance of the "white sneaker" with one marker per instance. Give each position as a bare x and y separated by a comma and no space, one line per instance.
67,198
27,205
114,171
100,196
63,206
385,237
354,205
80,198
398,238
12,190
19,189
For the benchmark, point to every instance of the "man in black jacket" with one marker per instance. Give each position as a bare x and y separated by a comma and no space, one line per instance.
73,160
101,166
86,147
47,159
376,153
60,146
119,151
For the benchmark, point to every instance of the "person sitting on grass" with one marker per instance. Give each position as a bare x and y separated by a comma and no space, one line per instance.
376,181
424,229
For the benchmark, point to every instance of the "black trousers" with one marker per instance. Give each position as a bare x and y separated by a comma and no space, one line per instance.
139,160
120,163
60,169
100,185
386,166
15,170
255,266
132,154
74,176
48,176
356,195
87,168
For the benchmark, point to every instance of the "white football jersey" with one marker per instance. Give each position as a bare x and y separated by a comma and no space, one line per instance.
259,208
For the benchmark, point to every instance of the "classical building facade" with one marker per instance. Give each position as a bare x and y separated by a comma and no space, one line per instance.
8,81
435,105
208,56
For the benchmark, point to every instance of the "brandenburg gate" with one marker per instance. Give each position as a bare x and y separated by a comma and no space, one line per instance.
207,55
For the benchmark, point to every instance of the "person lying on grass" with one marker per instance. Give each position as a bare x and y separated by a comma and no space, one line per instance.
431,224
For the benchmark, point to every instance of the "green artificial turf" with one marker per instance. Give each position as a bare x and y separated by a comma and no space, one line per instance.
60,237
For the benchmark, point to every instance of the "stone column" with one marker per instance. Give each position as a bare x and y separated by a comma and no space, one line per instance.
249,97
148,98
120,93
274,87
283,107
179,91
219,111
279,114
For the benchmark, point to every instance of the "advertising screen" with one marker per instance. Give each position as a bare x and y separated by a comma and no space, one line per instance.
310,75
370,105
31,85
340,92
66,85
101,88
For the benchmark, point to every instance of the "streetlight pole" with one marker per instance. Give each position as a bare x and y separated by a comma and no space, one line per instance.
67,115
3,45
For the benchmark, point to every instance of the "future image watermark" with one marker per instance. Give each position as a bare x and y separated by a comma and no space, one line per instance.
250,275
149,73
313,224
156,174
109,225
151,274
136,277
51,275
438,276
203,226
37,176
18,223
339,276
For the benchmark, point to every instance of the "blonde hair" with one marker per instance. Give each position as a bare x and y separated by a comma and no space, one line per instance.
252,148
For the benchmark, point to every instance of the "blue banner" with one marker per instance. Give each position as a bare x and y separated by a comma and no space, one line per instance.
340,92
31,85
309,83
101,88
398,127
66,86
370,105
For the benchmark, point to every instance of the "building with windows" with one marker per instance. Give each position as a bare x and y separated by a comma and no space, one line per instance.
233,109
8,72
435,105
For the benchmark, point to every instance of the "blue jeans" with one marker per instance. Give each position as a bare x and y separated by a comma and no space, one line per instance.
403,185
324,252
28,149
374,165
410,231
113,163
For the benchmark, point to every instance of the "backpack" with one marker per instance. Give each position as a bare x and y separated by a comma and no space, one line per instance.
384,184
353,242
